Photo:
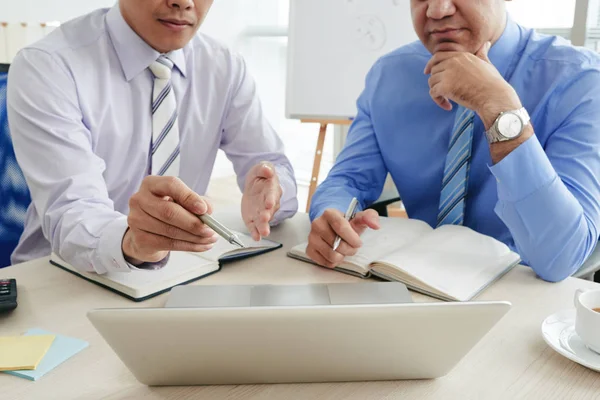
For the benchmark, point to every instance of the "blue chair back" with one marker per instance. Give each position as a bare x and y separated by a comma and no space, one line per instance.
14,194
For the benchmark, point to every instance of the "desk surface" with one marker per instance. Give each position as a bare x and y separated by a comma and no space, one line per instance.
511,362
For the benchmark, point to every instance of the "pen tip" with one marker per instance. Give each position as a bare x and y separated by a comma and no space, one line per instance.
238,242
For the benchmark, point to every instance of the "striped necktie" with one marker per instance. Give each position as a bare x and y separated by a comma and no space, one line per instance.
456,171
165,129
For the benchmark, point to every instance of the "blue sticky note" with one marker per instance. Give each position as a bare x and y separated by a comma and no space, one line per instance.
62,349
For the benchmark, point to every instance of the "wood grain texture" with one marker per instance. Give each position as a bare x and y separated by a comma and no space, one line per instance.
511,362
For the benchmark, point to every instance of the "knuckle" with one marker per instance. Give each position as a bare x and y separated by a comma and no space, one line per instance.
134,201
329,255
171,244
188,197
329,213
172,182
147,180
133,220
171,231
196,225
167,213
337,224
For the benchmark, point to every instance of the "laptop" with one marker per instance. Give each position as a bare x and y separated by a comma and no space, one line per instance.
269,336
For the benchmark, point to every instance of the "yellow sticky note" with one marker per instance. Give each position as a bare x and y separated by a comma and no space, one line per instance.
23,352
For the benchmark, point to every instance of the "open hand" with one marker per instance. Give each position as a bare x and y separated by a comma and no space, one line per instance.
261,199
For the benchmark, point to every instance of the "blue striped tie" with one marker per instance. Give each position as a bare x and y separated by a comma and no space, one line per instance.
165,129
456,172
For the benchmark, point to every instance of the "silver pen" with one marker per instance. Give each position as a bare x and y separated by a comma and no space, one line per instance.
350,212
221,230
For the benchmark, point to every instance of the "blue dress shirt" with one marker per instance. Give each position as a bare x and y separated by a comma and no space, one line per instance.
542,200
79,105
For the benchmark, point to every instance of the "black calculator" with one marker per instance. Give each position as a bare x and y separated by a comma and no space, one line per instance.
8,295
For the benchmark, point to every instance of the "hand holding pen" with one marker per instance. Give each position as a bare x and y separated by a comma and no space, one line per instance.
162,218
350,213
331,225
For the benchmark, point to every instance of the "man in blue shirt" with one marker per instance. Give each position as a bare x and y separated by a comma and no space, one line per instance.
482,123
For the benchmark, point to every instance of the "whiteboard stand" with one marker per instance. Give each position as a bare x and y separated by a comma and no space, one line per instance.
314,177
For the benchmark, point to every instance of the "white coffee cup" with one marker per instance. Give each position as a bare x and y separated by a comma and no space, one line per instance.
587,322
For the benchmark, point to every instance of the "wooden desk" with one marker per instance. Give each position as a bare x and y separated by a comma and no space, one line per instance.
511,362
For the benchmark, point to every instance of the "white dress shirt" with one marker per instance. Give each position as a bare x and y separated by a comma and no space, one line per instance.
79,106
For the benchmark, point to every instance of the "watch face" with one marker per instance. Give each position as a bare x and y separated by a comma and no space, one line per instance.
510,125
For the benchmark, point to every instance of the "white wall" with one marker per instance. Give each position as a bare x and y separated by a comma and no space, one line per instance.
47,10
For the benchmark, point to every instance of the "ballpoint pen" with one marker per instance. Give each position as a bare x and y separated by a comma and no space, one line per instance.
221,230
350,212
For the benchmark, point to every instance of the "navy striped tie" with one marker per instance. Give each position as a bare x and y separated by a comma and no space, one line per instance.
456,172
165,129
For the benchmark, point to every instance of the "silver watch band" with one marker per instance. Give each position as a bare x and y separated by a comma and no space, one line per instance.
494,136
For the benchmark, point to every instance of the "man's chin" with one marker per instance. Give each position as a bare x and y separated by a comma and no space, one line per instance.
173,45
448,46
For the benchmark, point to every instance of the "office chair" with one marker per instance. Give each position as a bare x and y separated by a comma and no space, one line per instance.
389,195
14,194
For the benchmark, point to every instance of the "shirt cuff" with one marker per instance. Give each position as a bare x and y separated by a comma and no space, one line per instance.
109,254
340,204
288,201
524,171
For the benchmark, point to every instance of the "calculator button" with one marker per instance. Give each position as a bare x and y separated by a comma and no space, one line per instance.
2,292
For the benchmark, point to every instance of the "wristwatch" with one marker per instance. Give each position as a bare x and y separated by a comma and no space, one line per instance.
509,125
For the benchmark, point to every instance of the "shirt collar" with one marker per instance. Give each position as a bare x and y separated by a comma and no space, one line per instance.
503,52
135,55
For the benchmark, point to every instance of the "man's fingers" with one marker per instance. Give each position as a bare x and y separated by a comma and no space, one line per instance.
439,99
438,58
345,249
436,81
439,68
262,222
265,170
270,199
366,219
342,228
331,257
173,187
173,214
150,243
318,258
140,220
253,231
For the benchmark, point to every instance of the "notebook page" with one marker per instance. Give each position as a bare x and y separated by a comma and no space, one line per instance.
394,234
179,263
223,248
455,260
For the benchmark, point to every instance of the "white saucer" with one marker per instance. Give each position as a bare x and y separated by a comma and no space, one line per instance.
558,331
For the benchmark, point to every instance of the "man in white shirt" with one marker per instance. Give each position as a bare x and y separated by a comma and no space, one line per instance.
109,109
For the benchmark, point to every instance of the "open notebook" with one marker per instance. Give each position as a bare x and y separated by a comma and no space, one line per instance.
450,263
182,267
